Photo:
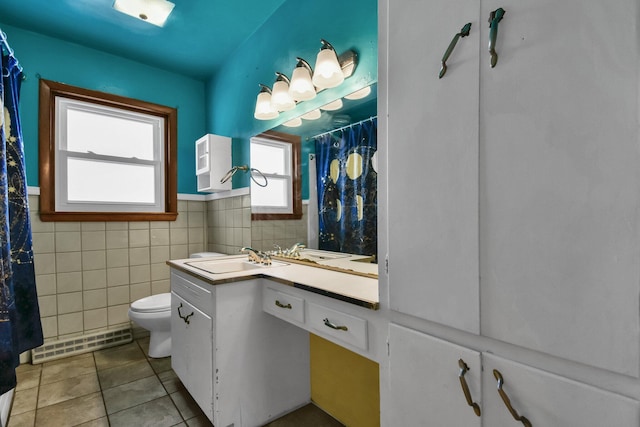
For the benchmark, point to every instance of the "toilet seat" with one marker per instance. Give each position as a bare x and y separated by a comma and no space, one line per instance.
152,304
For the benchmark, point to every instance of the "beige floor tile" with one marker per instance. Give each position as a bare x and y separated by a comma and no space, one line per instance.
72,412
307,416
67,368
156,413
68,389
170,381
131,394
123,374
186,405
28,376
24,401
200,421
26,419
100,422
117,356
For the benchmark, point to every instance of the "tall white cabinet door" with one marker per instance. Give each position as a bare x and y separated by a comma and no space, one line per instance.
546,399
425,389
433,162
560,180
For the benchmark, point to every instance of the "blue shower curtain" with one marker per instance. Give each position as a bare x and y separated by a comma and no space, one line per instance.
346,163
20,328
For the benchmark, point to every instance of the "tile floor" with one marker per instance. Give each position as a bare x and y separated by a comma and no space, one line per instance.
118,386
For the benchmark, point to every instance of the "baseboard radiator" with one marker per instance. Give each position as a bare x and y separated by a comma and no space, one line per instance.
83,344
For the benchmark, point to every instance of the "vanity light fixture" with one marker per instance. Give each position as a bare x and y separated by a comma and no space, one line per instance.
264,108
154,12
293,123
301,88
312,115
359,94
280,97
328,72
332,106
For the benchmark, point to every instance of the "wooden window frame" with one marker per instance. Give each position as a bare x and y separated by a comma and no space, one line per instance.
296,178
48,92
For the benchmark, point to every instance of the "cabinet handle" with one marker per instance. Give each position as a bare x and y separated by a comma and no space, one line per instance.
185,318
464,32
333,326
507,402
494,18
465,388
281,305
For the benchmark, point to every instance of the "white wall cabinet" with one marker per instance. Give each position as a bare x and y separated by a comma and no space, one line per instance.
514,190
511,210
213,161
427,391
242,366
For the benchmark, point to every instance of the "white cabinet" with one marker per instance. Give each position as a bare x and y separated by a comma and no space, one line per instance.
242,366
514,191
426,390
213,161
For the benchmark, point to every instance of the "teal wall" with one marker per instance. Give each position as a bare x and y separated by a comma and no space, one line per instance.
295,29
223,105
64,62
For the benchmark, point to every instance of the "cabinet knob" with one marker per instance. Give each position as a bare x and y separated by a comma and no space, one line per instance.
507,401
465,388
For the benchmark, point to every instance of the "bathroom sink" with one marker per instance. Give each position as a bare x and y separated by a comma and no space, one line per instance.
231,265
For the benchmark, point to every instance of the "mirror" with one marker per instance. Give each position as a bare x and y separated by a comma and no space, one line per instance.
266,234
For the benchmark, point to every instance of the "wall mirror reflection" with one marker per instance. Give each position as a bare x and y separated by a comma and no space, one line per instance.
339,181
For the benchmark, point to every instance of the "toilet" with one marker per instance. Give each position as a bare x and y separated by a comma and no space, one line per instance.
153,313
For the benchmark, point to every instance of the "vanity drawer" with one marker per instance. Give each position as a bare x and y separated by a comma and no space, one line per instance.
195,294
283,305
342,326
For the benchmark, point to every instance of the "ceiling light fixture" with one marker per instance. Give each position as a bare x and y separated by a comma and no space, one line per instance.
312,115
154,12
293,123
332,106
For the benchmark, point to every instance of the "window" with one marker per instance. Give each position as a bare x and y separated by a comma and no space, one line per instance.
277,156
105,157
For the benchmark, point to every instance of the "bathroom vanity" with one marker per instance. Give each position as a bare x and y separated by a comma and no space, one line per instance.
240,330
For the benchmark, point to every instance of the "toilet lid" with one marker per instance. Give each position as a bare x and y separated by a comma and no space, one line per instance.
154,303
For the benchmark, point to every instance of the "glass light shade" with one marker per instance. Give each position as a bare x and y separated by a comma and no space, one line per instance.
359,94
334,105
280,97
154,12
293,123
264,109
327,72
312,115
301,87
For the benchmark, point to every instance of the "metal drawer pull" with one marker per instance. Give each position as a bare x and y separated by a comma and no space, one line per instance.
332,326
506,400
464,32
494,18
185,318
465,388
281,305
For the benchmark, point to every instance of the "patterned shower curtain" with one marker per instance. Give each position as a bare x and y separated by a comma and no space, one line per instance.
347,189
20,328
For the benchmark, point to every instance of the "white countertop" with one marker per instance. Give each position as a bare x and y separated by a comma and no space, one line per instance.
354,288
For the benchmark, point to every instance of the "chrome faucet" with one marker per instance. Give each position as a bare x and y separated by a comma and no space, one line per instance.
294,251
257,256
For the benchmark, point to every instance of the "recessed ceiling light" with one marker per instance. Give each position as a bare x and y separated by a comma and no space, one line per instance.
154,12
